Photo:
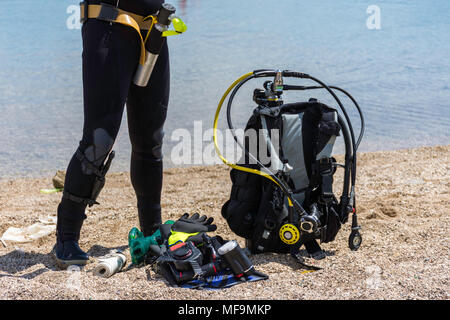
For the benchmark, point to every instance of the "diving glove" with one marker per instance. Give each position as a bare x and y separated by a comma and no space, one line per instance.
194,224
190,228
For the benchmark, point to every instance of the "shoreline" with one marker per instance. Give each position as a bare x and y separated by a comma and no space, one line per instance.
168,166
403,201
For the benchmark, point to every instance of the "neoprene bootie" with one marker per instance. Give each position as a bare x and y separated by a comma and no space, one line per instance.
68,253
66,250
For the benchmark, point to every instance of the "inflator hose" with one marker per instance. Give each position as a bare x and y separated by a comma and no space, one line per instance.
349,143
291,201
349,137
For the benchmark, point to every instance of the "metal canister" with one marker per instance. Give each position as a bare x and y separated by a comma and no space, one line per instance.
153,45
236,258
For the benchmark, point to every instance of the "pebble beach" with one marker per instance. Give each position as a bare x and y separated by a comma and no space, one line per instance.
403,203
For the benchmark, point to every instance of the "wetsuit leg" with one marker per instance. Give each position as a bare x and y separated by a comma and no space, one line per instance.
110,56
146,111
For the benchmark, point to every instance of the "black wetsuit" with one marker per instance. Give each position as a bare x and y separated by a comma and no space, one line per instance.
110,56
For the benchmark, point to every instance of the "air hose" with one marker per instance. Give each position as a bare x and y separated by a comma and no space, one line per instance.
267,174
349,138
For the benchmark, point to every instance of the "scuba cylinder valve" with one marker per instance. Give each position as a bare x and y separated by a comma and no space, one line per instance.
277,84
155,39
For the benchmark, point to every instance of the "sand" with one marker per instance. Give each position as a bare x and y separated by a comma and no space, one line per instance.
403,204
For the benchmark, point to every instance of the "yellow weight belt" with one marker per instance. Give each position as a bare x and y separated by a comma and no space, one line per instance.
110,13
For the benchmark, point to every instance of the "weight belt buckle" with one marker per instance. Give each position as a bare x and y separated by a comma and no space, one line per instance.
108,12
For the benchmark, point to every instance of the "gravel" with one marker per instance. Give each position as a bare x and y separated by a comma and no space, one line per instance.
403,202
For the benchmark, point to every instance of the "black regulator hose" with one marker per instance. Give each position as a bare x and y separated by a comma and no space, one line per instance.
347,169
344,197
281,184
361,116
355,238
270,73
349,136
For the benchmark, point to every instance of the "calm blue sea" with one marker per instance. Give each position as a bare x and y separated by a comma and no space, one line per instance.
395,61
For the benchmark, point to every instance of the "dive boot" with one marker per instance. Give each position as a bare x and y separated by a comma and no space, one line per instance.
68,226
68,253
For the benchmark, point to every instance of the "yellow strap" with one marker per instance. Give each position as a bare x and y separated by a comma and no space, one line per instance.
169,33
232,165
48,191
132,20
94,11
177,236
308,271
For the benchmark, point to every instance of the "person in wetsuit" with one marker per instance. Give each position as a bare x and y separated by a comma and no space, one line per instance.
110,57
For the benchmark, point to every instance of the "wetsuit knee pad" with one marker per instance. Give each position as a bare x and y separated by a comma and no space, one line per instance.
94,160
147,165
93,155
157,140
147,145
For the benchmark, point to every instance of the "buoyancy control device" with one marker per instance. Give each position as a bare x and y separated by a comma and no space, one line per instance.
288,200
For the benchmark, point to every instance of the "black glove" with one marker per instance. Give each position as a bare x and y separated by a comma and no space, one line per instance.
193,224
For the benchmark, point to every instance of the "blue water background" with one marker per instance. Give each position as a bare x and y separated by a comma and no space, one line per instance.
400,74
